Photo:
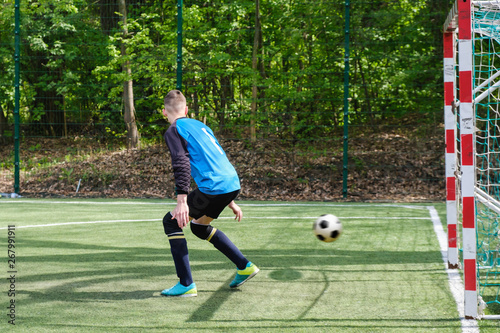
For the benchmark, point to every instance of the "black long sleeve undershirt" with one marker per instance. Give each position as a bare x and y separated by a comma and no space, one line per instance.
180,159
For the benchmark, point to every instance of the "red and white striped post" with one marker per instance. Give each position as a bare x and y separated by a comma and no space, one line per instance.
450,141
467,157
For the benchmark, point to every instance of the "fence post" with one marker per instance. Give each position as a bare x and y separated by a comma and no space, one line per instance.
16,94
179,44
346,98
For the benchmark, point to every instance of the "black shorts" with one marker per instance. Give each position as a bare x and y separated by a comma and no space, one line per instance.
210,205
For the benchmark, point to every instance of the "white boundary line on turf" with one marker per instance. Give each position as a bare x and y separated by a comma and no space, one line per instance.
454,279
75,223
6,201
312,218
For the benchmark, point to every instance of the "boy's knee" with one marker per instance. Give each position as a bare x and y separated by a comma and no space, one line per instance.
203,231
170,225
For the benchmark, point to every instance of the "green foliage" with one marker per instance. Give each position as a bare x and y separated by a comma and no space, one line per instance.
67,174
6,57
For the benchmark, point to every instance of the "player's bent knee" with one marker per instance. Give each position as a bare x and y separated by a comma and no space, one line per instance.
170,225
203,231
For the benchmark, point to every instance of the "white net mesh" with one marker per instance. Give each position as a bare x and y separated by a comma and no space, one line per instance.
486,81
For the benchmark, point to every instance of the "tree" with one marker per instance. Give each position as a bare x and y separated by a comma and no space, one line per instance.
6,65
128,92
257,45
3,123
104,66
61,44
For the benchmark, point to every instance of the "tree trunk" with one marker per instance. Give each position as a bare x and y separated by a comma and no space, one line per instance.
128,92
196,104
52,120
227,98
367,93
3,124
255,64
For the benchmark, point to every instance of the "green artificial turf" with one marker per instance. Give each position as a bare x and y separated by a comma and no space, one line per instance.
384,274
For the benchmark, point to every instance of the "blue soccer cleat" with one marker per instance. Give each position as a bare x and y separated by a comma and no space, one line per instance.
243,275
181,291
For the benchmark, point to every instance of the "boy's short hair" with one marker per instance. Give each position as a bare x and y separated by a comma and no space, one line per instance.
175,101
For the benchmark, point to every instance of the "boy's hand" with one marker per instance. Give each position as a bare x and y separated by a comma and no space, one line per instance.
181,211
236,210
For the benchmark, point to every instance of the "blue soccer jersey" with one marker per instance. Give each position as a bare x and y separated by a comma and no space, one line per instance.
196,152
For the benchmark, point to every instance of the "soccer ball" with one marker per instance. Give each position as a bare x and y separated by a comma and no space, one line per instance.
327,228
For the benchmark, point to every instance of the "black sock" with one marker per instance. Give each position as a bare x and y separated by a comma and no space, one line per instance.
224,245
179,250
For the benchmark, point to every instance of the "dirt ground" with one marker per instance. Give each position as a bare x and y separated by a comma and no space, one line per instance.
381,168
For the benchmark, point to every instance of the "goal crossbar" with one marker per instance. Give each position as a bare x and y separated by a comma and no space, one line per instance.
487,82
487,200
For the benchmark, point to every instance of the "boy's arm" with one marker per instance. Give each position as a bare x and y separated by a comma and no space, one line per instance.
182,174
180,160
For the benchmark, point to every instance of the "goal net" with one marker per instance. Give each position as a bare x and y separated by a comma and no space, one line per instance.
472,121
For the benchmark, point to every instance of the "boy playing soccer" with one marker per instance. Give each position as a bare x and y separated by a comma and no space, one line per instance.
196,152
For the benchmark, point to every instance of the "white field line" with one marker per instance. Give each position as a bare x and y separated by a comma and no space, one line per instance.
454,279
20,201
7,201
311,218
83,222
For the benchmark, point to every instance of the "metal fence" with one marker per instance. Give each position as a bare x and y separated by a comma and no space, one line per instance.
82,84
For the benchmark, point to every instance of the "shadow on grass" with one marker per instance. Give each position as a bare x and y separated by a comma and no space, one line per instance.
107,264
271,257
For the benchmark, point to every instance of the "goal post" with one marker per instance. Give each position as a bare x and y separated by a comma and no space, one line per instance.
471,41
450,124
